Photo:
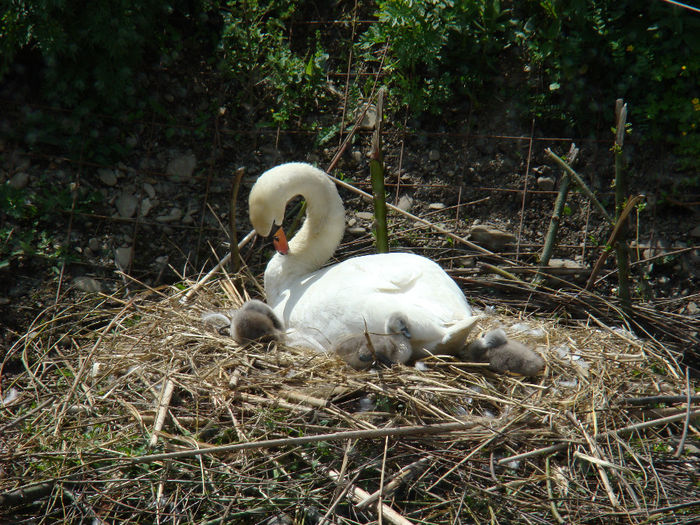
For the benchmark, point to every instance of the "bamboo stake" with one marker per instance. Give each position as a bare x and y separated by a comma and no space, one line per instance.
623,259
376,169
235,259
555,220
614,238
582,185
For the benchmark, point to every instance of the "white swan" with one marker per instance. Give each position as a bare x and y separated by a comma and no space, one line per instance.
319,307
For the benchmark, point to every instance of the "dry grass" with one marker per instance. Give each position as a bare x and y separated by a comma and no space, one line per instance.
136,412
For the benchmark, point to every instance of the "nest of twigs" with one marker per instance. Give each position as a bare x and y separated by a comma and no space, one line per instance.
136,412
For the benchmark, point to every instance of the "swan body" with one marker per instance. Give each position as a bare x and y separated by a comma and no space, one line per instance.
361,351
321,306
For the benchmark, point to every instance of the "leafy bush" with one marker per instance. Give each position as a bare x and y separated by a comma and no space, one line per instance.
30,210
92,51
592,53
437,49
258,57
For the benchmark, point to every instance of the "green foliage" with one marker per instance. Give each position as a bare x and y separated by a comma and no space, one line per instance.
591,53
436,49
92,50
32,211
259,59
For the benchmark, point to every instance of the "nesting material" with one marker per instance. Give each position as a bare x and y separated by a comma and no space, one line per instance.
567,438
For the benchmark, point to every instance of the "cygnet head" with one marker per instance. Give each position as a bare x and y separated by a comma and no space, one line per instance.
505,355
255,321
260,307
361,351
400,338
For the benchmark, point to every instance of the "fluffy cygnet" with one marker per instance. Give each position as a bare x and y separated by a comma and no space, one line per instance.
504,355
254,321
361,351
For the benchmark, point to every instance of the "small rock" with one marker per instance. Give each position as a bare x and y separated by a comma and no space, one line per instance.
174,215
369,121
565,263
107,176
87,284
436,206
126,204
365,215
150,190
433,155
181,168
657,248
692,308
123,257
146,206
356,156
467,262
545,183
405,203
352,221
20,180
357,230
94,245
491,238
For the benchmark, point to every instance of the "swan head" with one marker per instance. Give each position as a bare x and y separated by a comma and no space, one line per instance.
266,206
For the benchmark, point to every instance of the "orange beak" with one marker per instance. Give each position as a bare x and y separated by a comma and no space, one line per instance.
279,241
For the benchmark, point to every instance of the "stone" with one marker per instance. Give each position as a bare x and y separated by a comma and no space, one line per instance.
357,230
174,215
369,121
490,237
365,215
108,177
126,204
545,183
405,203
569,264
20,180
356,156
150,190
123,257
181,168
87,284
146,206
436,206
94,245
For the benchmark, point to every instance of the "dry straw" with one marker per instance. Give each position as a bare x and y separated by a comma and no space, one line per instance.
136,412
